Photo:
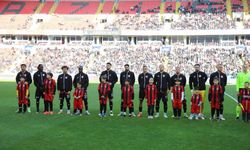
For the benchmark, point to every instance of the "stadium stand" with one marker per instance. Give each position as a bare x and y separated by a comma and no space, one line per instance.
118,53
203,21
136,32
121,6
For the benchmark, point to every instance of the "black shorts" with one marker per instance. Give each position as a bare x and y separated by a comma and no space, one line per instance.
141,94
39,93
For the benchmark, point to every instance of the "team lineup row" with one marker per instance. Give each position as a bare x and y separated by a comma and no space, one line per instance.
153,88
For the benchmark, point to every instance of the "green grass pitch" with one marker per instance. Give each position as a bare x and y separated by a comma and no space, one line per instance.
37,131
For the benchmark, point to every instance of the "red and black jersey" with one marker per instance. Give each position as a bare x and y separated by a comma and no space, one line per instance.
49,89
215,93
22,90
79,92
245,99
178,92
244,94
127,93
49,86
103,89
151,93
196,99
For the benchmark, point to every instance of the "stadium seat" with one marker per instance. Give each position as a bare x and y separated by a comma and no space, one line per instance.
107,8
169,7
150,7
124,7
77,7
237,5
46,8
18,7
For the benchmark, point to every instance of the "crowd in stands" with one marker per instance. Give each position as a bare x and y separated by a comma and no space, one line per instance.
16,22
8,56
53,57
246,23
203,21
119,53
198,21
135,22
208,57
64,22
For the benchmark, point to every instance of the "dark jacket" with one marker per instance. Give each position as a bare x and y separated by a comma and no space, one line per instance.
111,77
162,81
143,79
83,79
222,79
39,78
27,76
198,79
181,77
127,75
68,82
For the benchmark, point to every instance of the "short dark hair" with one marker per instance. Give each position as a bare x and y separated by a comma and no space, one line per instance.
108,63
127,80
215,78
104,77
246,82
197,65
126,65
23,65
39,66
50,74
65,67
